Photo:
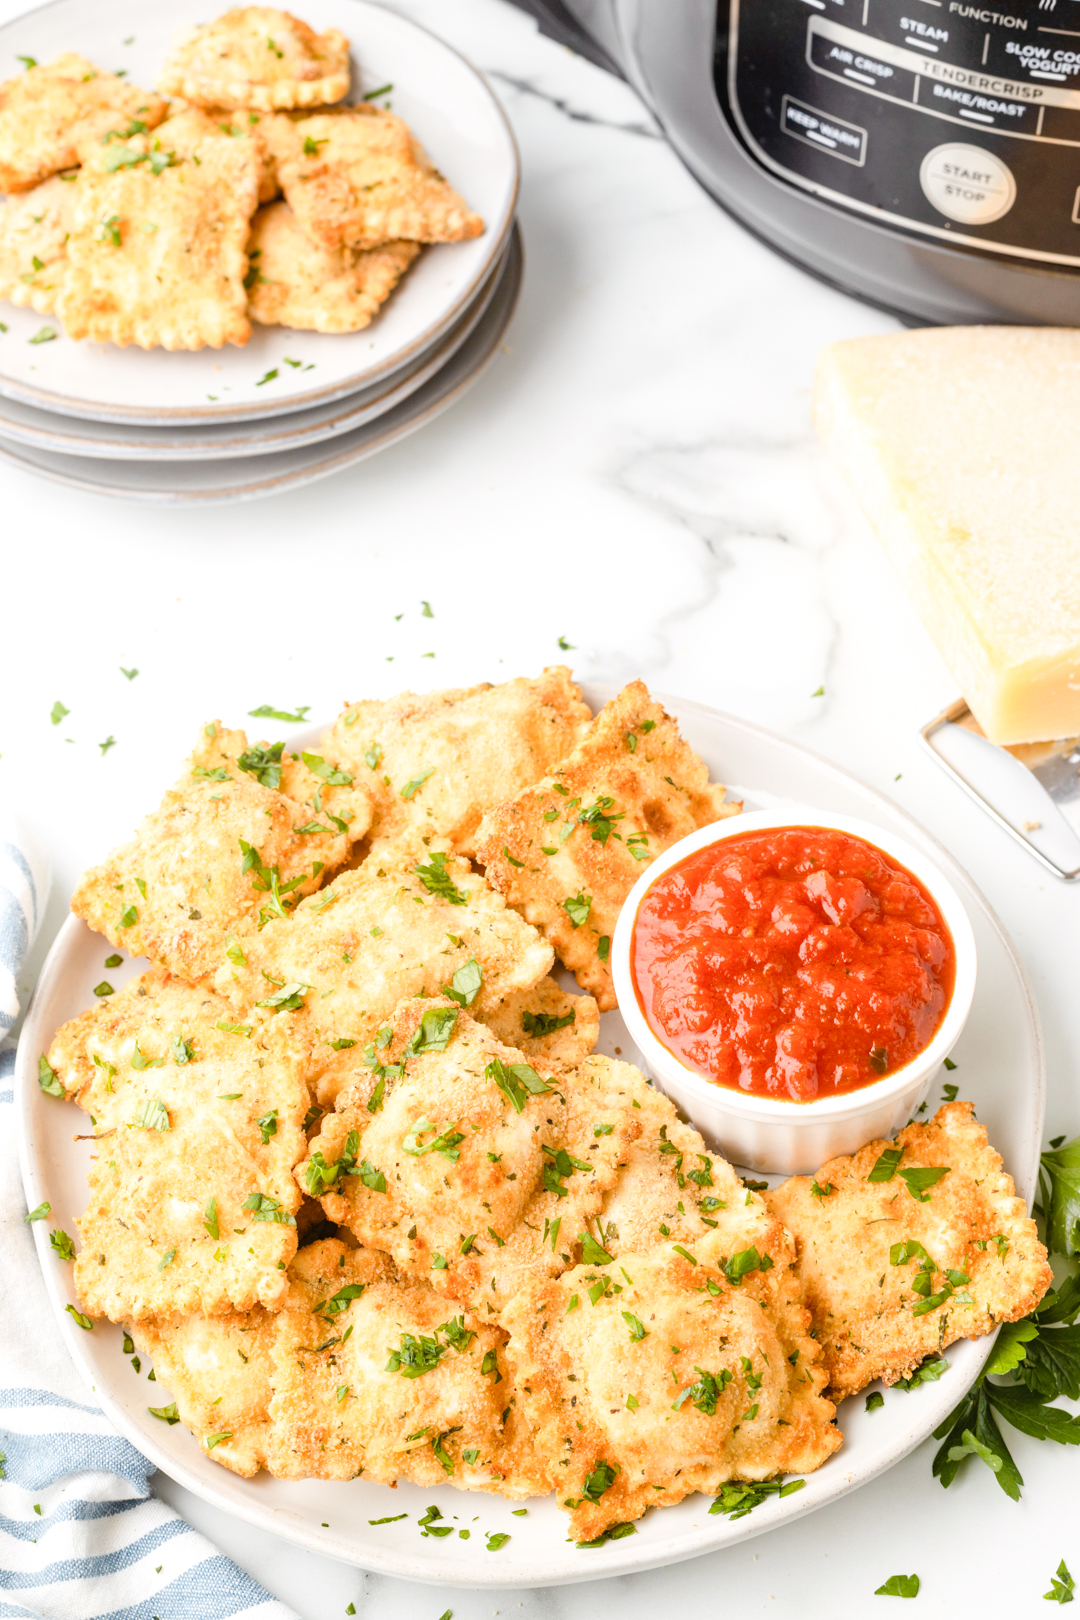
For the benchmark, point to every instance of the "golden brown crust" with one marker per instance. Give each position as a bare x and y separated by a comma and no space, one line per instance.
613,1363
157,251
524,1018
862,1303
183,874
538,852
218,1370
258,57
34,227
378,934
299,283
48,111
467,750
184,1112
355,177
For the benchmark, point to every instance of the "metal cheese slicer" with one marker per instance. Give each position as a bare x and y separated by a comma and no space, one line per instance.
1030,789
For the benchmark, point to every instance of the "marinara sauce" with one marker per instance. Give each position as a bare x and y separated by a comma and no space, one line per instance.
794,962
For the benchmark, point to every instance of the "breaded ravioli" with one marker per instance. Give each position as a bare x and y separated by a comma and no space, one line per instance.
567,851
47,111
381,1378
218,1370
659,1376
546,1025
247,829
198,1122
906,1246
34,227
299,283
355,177
447,757
404,923
470,1167
256,56
157,254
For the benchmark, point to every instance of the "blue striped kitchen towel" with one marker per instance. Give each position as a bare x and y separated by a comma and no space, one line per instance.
81,1537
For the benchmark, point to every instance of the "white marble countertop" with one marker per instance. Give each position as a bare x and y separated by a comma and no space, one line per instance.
635,474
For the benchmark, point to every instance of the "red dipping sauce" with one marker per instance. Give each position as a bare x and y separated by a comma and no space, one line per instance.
793,962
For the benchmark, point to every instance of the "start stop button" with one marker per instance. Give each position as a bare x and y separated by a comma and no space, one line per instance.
967,183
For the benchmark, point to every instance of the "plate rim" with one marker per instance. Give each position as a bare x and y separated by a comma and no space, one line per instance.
653,1554
159,416
257,489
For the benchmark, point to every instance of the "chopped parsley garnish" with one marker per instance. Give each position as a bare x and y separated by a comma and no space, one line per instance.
497,1539
577,908
464,987
437,880
264,764
879,1059
517,1082
412,787
48,1079
330,774
58,712
61,1244
340,1301
638,1330
745,1261
705,1393
266,711
106,989
874,1400
601,1479
265,1208
267,1125
47,335
290,998
1062,1586
592,1253
736,1501
217,774
182,1051
417,1355
210,1220
167,1414
1059,1196
921,1179
39,1213
821,1192
445,1142
77,1316
433,1032
233,1029
885,1167
540,1024
151,1115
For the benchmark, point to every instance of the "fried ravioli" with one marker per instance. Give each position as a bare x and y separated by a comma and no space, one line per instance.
379,1377
301,284
198,1123
48,111
218,1370
447,757
244,829
471,1168
545,1024
255,56
34,228
355,177
897,1267
659,1377
157,251
403,923
567,851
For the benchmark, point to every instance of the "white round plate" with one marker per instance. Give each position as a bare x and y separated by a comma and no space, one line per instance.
246,477
999,1066
445,102
226,441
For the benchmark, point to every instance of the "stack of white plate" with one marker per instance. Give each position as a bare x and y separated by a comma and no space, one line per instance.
289,407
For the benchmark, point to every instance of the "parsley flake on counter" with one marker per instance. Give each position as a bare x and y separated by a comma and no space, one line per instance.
58,712
903,1586
130,673
1062,1586
110,742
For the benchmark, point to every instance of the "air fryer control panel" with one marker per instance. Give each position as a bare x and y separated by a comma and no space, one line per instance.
949,119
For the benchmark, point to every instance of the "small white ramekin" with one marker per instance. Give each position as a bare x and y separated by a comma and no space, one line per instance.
769,1134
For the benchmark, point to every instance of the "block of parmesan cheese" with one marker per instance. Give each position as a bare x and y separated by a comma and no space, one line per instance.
963,445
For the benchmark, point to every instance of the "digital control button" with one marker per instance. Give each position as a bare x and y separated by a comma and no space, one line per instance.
821,129
860,68
967,183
